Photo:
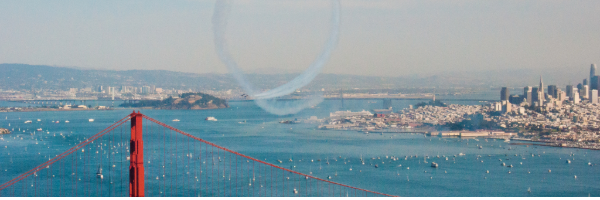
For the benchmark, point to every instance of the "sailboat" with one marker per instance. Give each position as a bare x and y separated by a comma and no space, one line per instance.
99,173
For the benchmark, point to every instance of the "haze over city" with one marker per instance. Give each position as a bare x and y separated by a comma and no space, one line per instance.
299,98
380,38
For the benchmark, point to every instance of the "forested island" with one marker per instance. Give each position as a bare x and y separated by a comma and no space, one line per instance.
186,101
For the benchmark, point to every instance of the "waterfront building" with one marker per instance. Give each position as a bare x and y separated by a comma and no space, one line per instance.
504,94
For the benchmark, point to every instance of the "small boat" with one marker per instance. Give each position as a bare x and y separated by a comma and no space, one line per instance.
67,121
503,164
529,190
39,129
589,163
434,165
568,161
176,120
90,120
39,120
28,122
99,173
211,119
242,122
487,171
480,147
376,166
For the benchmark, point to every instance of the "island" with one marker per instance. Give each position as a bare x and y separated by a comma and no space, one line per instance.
186,101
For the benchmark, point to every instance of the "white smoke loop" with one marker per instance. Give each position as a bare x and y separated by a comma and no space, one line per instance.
266,99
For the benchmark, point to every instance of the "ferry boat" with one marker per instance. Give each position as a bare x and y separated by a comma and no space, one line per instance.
90,120
211,119
28,122
176,120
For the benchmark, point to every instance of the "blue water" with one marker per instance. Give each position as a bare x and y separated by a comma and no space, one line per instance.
262,137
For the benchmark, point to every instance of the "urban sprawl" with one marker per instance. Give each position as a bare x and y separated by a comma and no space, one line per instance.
569,118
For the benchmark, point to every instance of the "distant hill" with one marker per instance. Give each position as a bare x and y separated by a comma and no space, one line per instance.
26,77
187,101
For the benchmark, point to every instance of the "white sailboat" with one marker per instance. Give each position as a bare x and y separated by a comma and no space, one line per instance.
99,173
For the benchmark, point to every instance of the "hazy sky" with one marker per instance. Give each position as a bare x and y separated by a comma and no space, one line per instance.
385,37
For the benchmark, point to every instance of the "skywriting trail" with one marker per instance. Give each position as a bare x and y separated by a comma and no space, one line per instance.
266,100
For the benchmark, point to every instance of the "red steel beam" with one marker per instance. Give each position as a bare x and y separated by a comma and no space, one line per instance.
136,164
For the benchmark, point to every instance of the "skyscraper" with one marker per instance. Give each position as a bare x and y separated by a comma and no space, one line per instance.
585,81
585,92
534,94
552,91
504,94
541,88
570,91
592,71
527,93
594,83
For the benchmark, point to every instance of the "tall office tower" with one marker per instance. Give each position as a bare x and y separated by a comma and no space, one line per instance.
592,71
534,94
594,83
579,86
585,92
552,91
561,95
527,93
585,81
569,91
541,88
506,107
541,97
99,89
594,96
504,94
576,99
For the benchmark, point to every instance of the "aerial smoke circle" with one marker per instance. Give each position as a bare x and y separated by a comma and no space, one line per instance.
266,100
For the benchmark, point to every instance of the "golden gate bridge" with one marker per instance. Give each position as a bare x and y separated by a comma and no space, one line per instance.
112,163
